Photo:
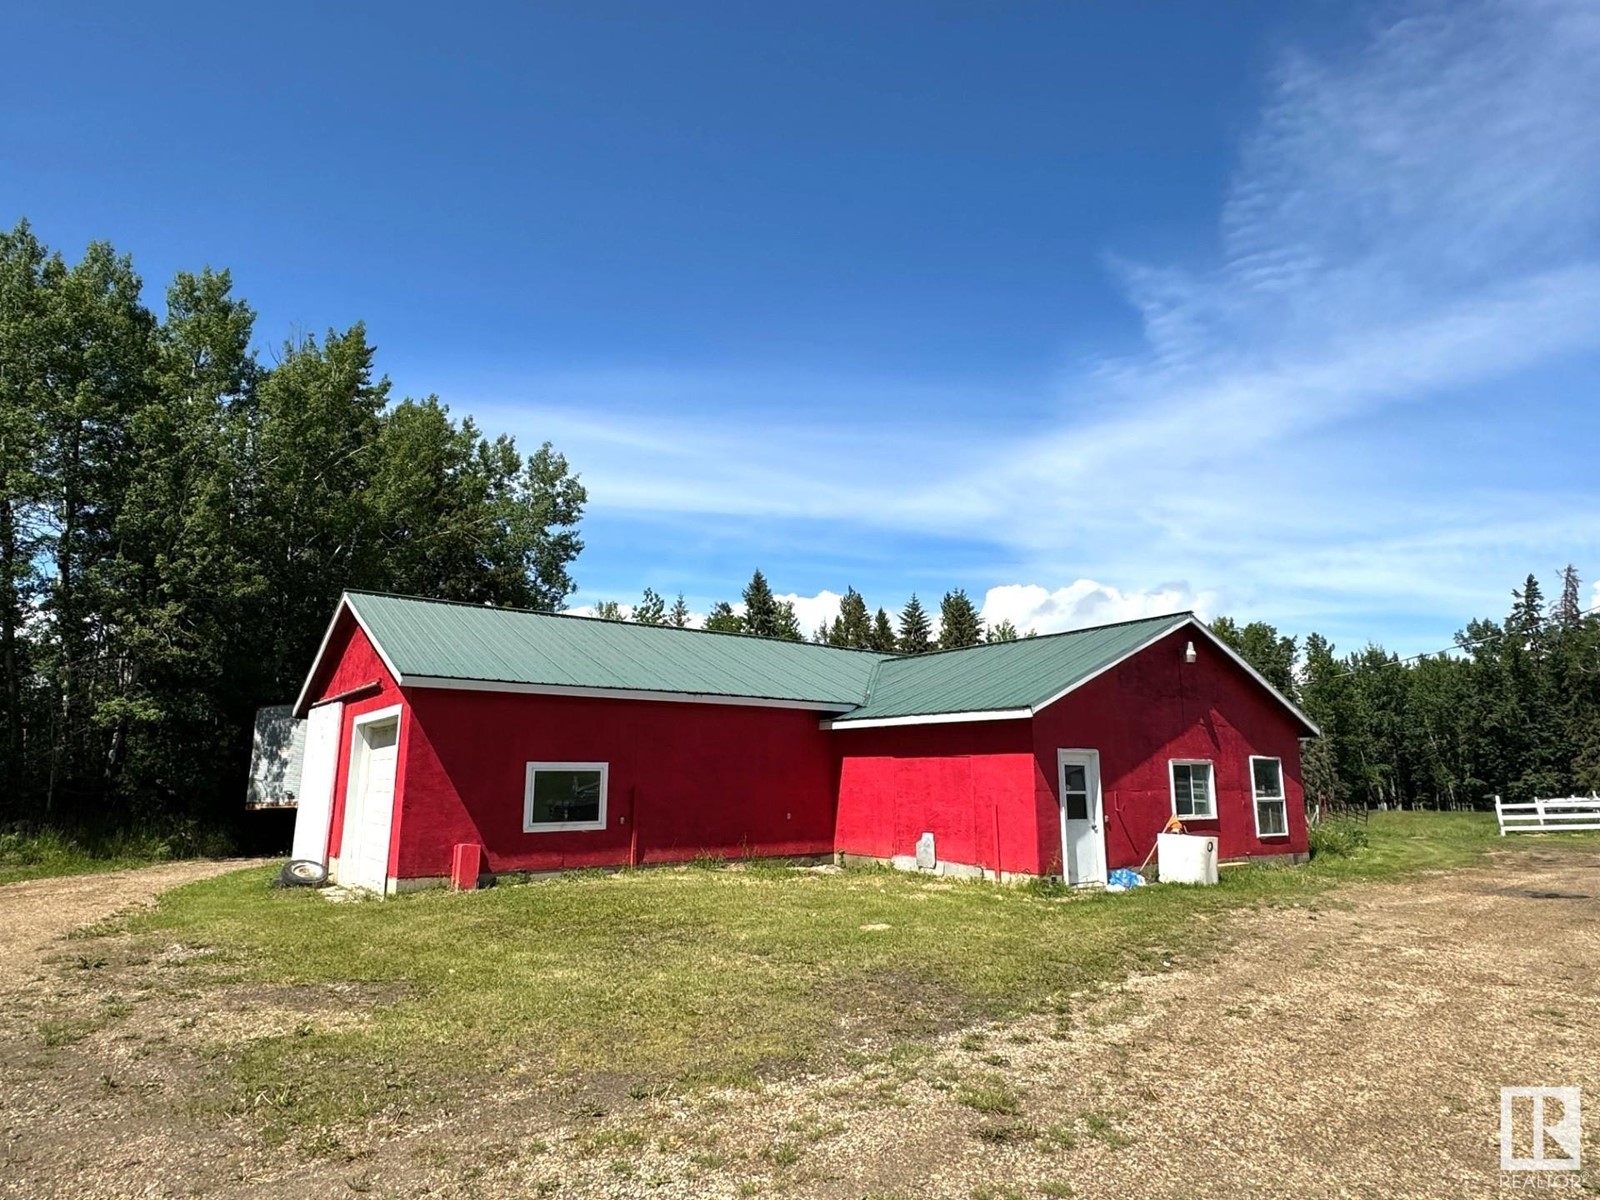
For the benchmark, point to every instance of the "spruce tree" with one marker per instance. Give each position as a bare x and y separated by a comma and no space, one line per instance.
852,628
760,608
959,623
1569,609
1527,612
883,639
916,635
678,617
788,623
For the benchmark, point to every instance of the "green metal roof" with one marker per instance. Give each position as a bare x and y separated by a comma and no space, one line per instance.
443,640
442,643
1001,676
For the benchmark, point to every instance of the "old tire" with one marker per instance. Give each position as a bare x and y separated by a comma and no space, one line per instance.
303,872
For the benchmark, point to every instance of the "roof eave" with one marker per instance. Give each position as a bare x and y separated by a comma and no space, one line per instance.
583,691
947,718
301,704
1178,622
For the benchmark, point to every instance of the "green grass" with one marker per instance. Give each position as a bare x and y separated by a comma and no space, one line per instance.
688,976
994,1097
38,853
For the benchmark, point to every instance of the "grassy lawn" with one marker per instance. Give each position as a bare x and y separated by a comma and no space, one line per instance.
49,852
695,975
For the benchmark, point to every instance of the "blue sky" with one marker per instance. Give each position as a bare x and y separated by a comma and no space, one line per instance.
1093,310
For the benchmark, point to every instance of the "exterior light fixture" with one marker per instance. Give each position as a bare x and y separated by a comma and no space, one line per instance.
1189,656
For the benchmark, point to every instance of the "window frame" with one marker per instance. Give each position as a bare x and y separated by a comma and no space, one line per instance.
1172,787
1282,798
530,773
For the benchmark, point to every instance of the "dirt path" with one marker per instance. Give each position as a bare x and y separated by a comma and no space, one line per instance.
1353,1048
37,912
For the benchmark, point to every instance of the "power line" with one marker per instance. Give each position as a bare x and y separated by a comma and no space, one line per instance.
1459,645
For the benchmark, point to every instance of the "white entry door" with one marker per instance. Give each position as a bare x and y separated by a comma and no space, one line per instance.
369,803
1083,839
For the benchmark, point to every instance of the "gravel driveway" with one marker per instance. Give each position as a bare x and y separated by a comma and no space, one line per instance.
1351,1048
37,912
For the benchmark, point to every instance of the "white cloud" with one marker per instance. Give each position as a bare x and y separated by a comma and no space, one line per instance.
1085,602
1408,222
812,611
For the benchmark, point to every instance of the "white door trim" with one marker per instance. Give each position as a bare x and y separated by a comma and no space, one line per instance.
1091,760
355,790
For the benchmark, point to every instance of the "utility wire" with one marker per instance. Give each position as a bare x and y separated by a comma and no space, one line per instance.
1460,645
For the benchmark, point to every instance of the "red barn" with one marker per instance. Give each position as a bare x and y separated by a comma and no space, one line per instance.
543,742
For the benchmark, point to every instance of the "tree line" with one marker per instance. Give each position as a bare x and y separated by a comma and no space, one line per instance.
178,518
1512,709
855,628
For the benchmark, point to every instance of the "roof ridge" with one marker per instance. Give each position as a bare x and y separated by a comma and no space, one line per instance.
567,616
1040,637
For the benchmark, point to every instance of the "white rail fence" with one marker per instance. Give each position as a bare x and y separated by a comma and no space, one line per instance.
1548,816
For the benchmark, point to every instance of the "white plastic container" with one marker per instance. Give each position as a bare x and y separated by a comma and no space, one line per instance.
1186,858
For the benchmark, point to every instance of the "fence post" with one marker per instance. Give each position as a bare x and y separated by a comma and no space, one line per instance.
1499,815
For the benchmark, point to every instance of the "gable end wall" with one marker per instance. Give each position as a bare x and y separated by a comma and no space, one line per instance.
1154,708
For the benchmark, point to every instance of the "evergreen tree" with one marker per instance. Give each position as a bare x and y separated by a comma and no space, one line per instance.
788,623
651,610
678,617
883,639
761,615
722,619
1005,631
959,622
852,628
1526,622
916,632
1569,608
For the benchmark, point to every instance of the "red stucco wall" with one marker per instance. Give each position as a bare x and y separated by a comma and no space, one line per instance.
970,785
1154,708
690,779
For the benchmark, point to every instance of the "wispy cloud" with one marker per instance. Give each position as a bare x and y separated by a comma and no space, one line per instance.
1409,222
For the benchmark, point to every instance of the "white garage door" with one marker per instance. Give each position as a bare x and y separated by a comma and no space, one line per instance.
369,809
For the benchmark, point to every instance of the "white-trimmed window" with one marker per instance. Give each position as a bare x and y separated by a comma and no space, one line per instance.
1272,809
1192,793
564,796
